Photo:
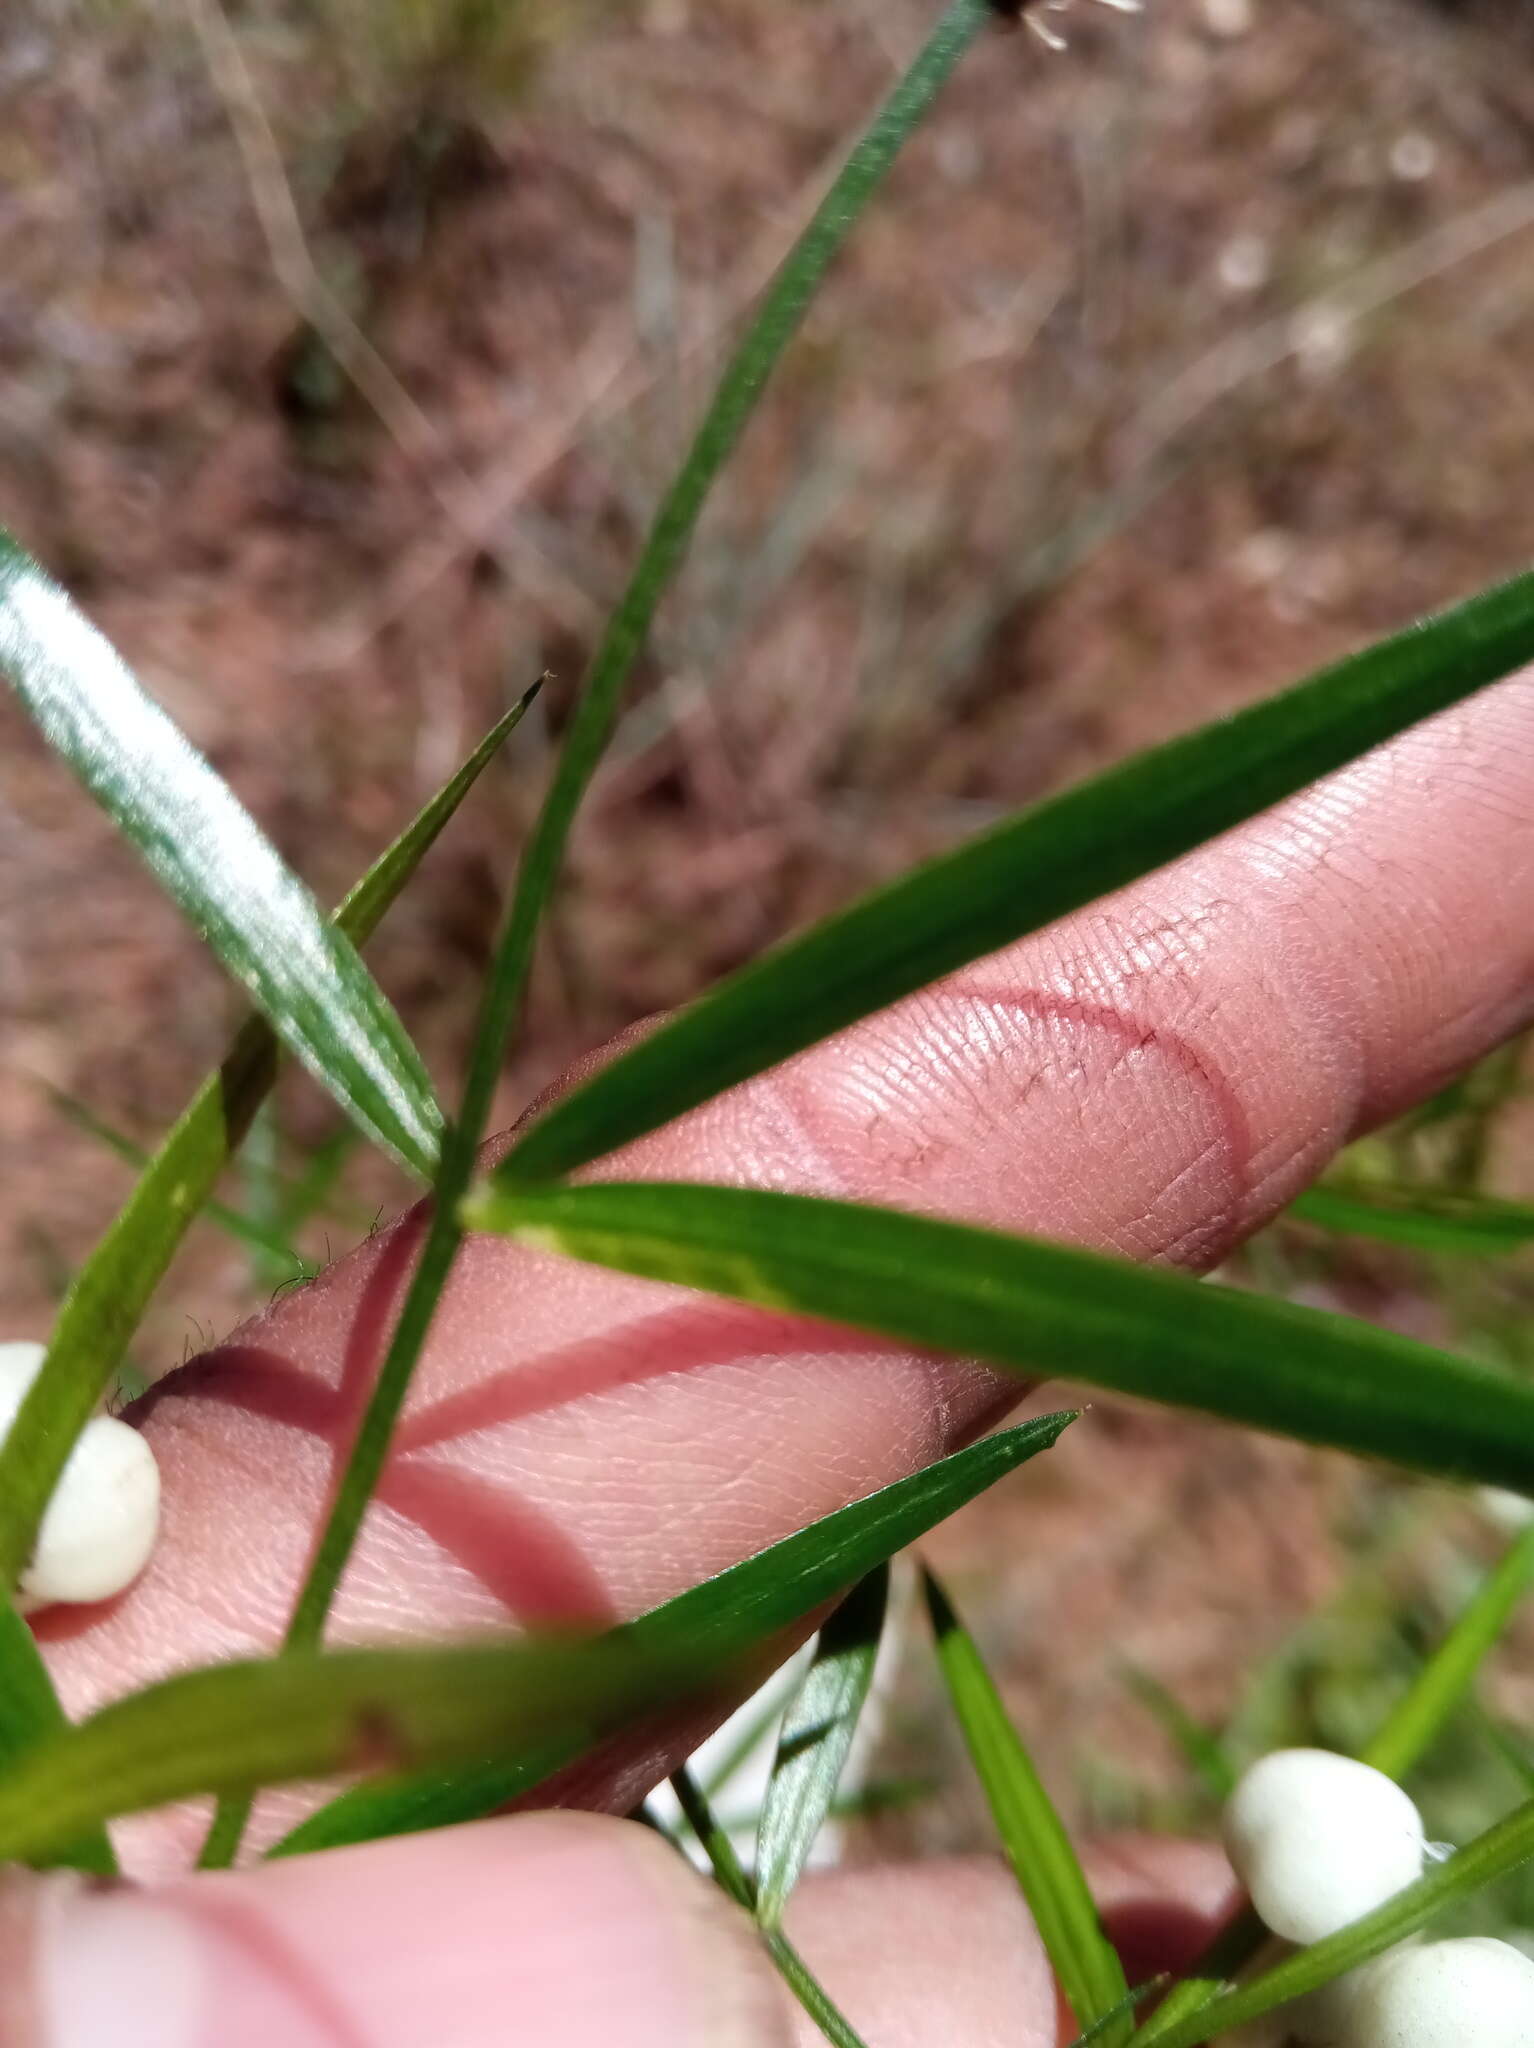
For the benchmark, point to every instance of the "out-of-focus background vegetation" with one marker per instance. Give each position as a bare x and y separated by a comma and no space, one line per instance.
345,347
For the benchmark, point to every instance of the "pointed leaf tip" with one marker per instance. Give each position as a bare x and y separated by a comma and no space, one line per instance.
210,856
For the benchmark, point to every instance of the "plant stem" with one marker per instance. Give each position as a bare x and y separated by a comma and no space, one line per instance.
783,308
737,1881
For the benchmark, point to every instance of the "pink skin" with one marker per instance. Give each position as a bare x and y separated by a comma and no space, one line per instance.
1155,1077
563,1930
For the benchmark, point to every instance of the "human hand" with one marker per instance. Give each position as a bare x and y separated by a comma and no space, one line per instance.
1154,1077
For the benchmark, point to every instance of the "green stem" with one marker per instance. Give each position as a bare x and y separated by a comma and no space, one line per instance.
738,1882
732,1874
795,1973
783,308
1447,1676
1231,1950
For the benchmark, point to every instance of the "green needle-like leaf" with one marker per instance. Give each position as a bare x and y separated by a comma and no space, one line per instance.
234,1727
30,1710
1429,1221
817,1733
880,1795
1039,1308
1231,1950
1052,859
257,1236
315,1184
1032,1835
1449,1673
773,325
735,397
1203,1753
719,1775
1491,1855
734,1879
1100,2029
746,1605
109,1293
210,856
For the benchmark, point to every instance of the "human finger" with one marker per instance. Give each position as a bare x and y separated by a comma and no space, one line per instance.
547,1928
1154,1077
552,1928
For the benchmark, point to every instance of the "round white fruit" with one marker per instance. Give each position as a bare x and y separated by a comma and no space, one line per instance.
1320,1839
102,1521
19,1360
100,1525
1474,1993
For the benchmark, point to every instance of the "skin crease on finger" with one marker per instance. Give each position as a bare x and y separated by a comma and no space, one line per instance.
1153,1076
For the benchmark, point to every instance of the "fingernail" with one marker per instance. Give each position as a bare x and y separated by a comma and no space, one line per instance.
548,1928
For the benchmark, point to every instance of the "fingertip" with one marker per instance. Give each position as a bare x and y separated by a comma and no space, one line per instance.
548,1928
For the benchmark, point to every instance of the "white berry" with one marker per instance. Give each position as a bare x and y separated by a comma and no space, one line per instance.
1319,1840
100,1525
1474,1993
19,1360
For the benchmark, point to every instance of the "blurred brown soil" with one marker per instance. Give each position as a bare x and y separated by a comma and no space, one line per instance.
1164,370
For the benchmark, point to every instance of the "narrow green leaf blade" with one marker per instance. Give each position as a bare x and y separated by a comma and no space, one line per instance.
244,1229
1032,1834
316,1183
1449,1673
1203,1753
1050,860
1039,1308
747,1604
209,855
774,323
816,1735
234,1727
733,1877
362,909
719,1775
110,1292
1136,1996
30,1710
1429,1221
1232,1949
